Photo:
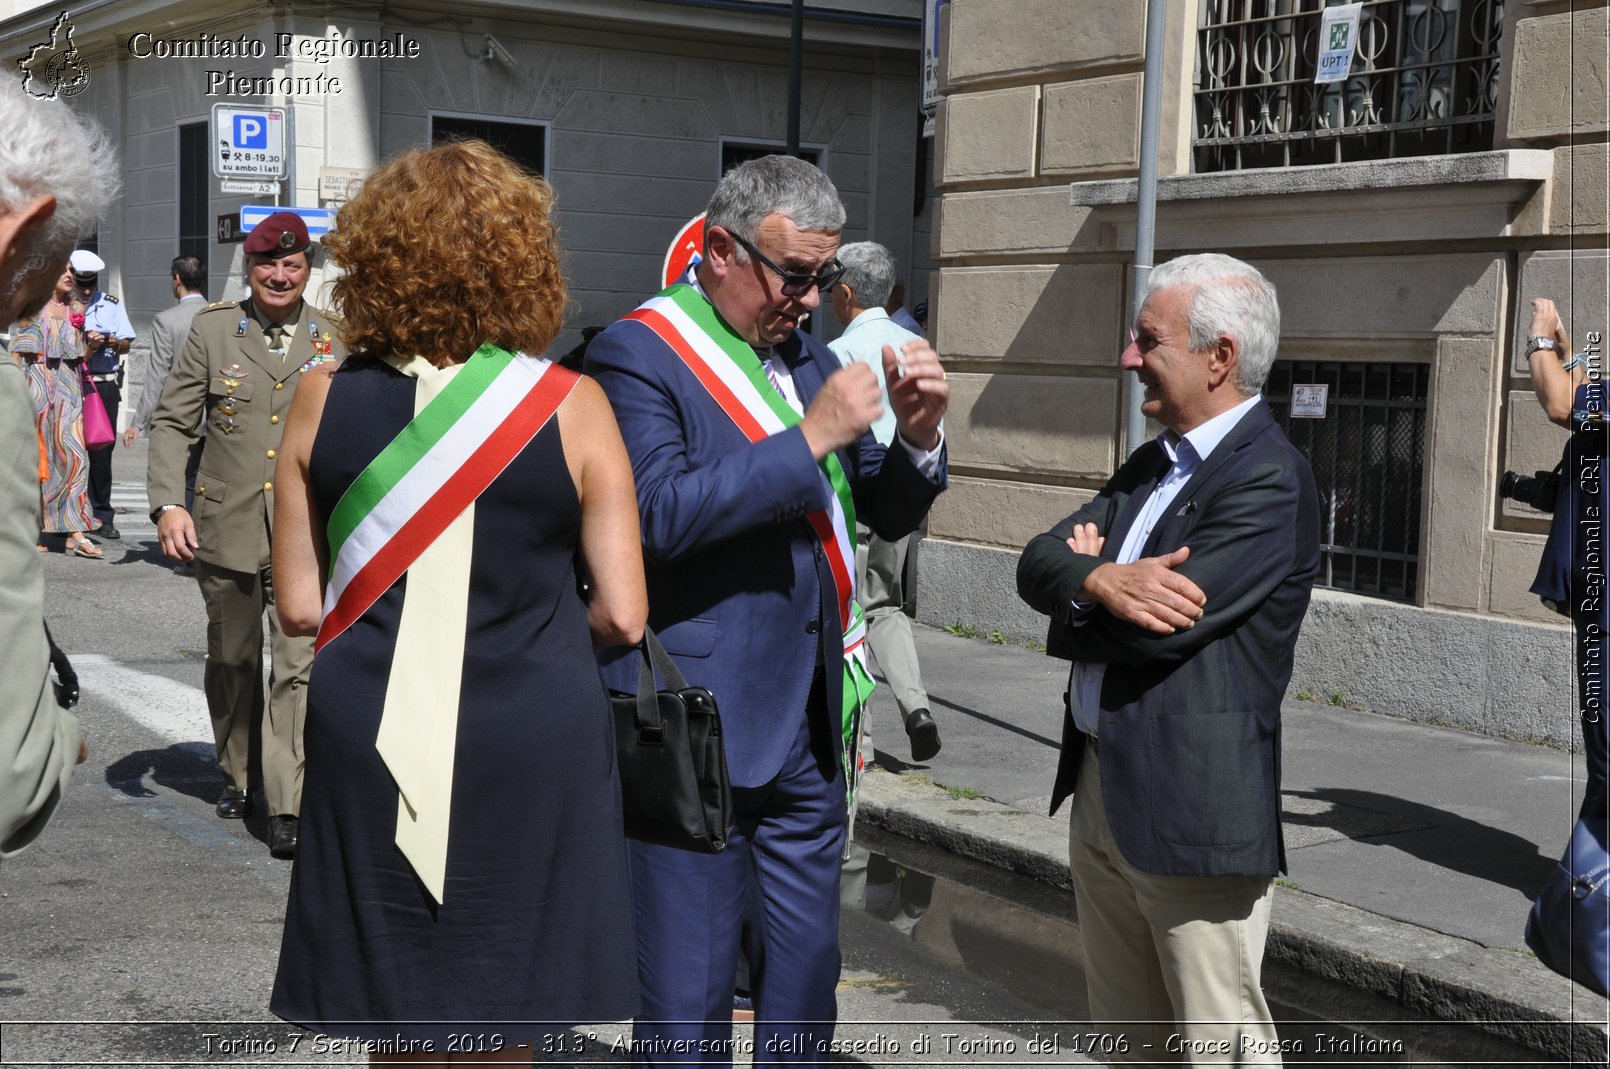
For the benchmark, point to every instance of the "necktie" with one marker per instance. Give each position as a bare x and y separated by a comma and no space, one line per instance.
275,336
771,374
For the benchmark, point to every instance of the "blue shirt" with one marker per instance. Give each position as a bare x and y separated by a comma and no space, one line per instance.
107,315
863,339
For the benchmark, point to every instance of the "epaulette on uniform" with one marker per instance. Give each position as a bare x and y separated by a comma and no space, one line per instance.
220,304
109,297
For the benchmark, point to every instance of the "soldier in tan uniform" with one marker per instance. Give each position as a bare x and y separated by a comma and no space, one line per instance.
238,370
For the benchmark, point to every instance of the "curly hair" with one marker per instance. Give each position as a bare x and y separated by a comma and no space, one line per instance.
443,249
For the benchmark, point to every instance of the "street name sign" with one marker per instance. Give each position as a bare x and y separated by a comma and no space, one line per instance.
236,185
340,183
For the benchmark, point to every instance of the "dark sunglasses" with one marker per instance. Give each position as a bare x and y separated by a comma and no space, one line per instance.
794,285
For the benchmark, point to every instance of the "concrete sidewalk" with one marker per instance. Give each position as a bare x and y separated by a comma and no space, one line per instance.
1414,851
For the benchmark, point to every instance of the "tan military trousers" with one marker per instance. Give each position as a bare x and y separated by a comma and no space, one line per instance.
233,681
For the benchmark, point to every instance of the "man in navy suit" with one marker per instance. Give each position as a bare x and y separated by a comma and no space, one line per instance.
735,420
1178,592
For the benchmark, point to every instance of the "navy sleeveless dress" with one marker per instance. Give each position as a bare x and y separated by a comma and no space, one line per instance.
536,922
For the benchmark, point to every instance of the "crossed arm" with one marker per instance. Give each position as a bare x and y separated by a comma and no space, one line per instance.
1164,608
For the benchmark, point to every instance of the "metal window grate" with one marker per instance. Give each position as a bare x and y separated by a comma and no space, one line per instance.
1424,82
1368,456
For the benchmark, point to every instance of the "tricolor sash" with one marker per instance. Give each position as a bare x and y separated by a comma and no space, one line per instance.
727,367
412,510
494,404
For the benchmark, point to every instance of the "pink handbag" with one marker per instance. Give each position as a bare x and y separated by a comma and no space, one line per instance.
98,431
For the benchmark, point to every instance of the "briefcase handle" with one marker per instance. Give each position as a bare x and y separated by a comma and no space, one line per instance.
655,659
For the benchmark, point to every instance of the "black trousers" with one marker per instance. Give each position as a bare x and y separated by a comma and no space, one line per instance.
100,460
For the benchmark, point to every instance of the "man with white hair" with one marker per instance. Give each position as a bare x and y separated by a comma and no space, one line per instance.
859,302
1178,593
57,173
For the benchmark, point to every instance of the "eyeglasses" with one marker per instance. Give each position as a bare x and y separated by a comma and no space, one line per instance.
794,285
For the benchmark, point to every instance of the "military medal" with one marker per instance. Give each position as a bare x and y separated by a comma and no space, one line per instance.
321,347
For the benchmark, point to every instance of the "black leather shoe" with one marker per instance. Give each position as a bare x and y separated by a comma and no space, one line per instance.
108,531
234,803
923,733
282,836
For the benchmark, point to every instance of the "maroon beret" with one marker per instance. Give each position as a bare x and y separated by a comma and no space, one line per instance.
281,234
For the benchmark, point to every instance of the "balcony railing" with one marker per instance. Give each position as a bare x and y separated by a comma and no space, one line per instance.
1424,82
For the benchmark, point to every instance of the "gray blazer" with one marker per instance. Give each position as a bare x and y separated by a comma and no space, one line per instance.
38,738
169,329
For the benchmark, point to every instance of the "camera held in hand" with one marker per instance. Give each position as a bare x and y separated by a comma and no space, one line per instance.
1539,491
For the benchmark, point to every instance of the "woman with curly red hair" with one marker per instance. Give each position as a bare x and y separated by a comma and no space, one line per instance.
460,889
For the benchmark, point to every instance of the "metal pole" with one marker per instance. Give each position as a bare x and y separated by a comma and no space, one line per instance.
1145,204
796,49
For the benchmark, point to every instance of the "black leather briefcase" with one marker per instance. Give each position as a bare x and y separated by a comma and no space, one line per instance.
673,766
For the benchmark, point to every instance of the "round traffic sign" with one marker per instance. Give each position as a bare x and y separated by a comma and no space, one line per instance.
685,251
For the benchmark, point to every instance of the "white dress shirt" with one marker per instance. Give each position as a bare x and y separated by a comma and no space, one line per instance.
1186,454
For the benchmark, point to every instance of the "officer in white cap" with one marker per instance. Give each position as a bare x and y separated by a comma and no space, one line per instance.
108,331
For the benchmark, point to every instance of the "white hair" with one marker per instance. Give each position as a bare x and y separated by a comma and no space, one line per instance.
869,271
47,148
1231,299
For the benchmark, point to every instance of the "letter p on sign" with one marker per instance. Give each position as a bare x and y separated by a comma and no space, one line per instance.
250,132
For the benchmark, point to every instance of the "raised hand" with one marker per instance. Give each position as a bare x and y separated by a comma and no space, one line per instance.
1546,323
847,404
918,392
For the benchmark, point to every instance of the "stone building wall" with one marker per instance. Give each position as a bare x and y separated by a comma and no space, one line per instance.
1429,260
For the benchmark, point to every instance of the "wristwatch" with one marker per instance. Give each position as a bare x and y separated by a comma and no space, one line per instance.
156,513
1540,342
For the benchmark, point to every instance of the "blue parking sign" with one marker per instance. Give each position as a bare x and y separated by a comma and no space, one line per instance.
251,131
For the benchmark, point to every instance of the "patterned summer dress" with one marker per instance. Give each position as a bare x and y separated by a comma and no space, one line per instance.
51,349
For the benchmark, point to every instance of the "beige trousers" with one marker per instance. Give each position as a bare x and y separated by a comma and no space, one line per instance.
233,681
1173,961
881,592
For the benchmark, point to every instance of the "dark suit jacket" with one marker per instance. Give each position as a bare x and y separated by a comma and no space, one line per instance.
1190,722
738,587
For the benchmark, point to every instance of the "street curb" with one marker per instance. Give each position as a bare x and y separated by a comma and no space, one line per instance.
1505,993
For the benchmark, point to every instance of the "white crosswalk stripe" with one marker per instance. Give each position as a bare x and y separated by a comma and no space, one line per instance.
176,711
137,517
